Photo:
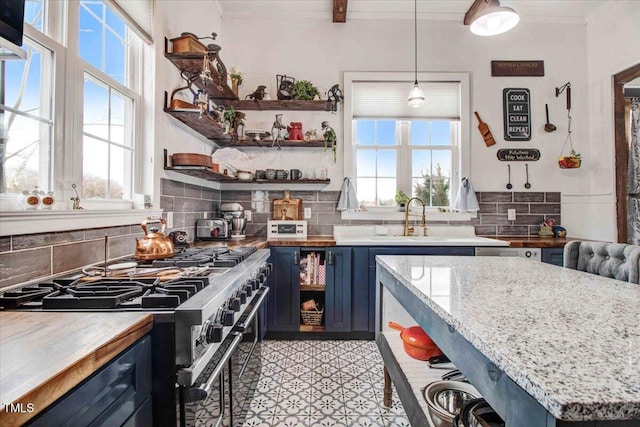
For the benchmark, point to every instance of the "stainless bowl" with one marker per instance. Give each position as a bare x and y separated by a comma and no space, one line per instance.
446,398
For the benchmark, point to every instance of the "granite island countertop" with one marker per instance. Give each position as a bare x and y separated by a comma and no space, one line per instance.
569,339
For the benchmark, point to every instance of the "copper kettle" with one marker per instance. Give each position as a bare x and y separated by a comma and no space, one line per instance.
155,244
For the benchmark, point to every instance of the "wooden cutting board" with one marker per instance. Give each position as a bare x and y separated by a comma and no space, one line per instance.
287,209
485,131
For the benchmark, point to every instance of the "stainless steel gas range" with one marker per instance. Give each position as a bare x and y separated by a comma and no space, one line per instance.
208,308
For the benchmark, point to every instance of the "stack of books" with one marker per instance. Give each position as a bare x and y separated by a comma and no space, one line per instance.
312,272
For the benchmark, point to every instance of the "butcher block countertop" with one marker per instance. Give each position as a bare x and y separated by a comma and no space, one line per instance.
534,241
44,355
320,241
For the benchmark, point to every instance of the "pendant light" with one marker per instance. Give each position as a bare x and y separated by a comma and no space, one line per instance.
489,18
416,96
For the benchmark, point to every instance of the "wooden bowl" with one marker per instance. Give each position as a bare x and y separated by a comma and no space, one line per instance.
191,159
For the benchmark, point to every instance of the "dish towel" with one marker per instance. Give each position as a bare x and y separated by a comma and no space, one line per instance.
466,201
348,200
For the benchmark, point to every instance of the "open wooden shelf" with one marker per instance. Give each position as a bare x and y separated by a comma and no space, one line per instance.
267,143
274,105
310,328
318,288
283,181
205,125
190,64
208,174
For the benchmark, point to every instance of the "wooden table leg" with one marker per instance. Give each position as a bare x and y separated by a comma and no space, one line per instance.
386,399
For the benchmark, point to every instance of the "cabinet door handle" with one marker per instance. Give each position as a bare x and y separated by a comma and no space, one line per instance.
330,258
295,258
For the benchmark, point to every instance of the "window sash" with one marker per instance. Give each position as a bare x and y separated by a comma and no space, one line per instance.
404,153
461,131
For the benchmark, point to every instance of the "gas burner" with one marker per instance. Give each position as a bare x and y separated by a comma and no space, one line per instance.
172,294
192,257
100,294
31,295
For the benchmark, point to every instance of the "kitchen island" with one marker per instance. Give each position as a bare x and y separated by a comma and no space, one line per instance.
546,346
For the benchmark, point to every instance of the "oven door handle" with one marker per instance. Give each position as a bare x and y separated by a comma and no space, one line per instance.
243,326
202,392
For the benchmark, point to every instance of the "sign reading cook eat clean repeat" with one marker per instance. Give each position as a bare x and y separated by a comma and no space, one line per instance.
517,114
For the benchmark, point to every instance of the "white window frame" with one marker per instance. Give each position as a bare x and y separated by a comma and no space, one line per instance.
61,26
76,93
460,170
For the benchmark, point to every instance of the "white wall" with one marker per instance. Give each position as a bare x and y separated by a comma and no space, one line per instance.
613,45
321,51
171,18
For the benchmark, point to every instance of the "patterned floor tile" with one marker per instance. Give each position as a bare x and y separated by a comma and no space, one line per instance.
322,384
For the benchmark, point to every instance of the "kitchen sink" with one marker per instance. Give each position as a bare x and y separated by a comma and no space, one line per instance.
438,236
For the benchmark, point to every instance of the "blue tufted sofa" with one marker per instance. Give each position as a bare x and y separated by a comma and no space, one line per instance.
615,260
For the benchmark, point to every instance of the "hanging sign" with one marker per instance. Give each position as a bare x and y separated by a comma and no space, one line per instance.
518,155
517,114
517,68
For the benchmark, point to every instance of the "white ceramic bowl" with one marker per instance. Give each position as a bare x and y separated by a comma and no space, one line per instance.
245,176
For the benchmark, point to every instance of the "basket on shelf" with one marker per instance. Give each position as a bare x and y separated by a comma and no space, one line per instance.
312,317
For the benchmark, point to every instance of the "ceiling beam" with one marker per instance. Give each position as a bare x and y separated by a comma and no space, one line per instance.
340,11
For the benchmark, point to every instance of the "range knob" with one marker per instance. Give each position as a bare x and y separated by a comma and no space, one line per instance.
227,318
243,297
213,333
235,304
255,284
248,289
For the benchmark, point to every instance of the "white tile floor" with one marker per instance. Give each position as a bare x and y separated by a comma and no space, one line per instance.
322,383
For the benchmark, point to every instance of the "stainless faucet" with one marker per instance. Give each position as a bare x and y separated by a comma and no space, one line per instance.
411,229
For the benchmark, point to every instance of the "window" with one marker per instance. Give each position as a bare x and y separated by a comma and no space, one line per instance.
395,147
26,114
93,144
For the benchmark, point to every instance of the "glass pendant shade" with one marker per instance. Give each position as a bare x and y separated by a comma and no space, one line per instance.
495,20
416,96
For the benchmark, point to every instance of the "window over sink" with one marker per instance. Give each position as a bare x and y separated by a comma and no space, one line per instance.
390,146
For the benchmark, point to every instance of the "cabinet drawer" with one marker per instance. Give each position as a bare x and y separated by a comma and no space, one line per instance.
110,396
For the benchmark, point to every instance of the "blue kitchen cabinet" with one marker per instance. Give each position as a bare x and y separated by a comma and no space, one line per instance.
553,256
361,295
283,302
338,290
119,394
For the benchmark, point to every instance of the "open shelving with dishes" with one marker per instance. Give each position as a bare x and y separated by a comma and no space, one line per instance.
191,63
275,104
209,127
211,174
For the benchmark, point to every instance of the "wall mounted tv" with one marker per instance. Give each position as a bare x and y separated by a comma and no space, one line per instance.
11,20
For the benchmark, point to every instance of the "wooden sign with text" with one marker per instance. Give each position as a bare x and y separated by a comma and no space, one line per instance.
517,114
517,68
518,155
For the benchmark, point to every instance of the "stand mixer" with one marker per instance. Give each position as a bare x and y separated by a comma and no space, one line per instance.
235,213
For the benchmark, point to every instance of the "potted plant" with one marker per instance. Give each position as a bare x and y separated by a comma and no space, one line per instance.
572,161
401,199
236,79
228,118
304,90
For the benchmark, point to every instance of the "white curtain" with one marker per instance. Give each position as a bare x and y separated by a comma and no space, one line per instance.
633,179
